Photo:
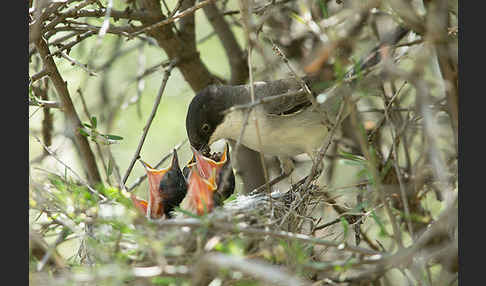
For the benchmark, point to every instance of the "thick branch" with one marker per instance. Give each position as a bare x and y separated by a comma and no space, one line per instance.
265,272
192,68
73,122
236,57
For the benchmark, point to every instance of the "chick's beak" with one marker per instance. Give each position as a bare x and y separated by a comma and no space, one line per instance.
206,165
140,205
201,191
175,160
154,177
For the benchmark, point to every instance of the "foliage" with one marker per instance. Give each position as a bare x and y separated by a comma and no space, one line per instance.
383,212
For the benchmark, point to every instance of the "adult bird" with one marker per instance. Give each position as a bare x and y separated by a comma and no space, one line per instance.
290,120
167,189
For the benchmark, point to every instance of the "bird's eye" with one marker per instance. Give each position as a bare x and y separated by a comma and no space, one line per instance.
205,128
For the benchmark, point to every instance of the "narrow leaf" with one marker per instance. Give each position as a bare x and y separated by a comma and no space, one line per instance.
113,137
297,17
323,9
94,122
110,167
82,132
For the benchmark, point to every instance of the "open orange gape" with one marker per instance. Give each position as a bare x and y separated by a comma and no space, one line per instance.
204,183
211,181
167,189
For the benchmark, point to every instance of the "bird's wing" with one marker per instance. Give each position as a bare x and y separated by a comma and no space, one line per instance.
271,96
276,103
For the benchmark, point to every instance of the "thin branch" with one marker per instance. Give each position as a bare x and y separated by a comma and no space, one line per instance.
115,14
302,83
67,167
45,103
193,222
323,150
379,125
149,121
404,197
67,47
267,273
35,77
371,159
62,17
51,249
75,62
116,30
170,20
60,85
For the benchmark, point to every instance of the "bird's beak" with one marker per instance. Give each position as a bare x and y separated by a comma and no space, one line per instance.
201,191
140,205
206,165
175,160
154,177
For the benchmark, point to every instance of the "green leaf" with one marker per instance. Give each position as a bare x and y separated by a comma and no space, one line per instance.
110,167
345,224
163,280
113,137
230,198
88,125
82,132
94,122
188,213
31,94
378,221
297,17
351,156
323,9
321,85
357,68
385,169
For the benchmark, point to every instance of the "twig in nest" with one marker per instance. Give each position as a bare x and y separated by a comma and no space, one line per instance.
193,222
267,273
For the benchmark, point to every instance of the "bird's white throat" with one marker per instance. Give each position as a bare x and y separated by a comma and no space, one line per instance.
279,135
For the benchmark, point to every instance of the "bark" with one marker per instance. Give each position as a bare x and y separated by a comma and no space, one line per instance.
72,118
190,64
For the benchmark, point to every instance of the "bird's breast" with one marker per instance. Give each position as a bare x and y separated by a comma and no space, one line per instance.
276,135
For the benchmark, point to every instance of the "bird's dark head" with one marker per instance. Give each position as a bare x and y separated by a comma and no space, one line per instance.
204,114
